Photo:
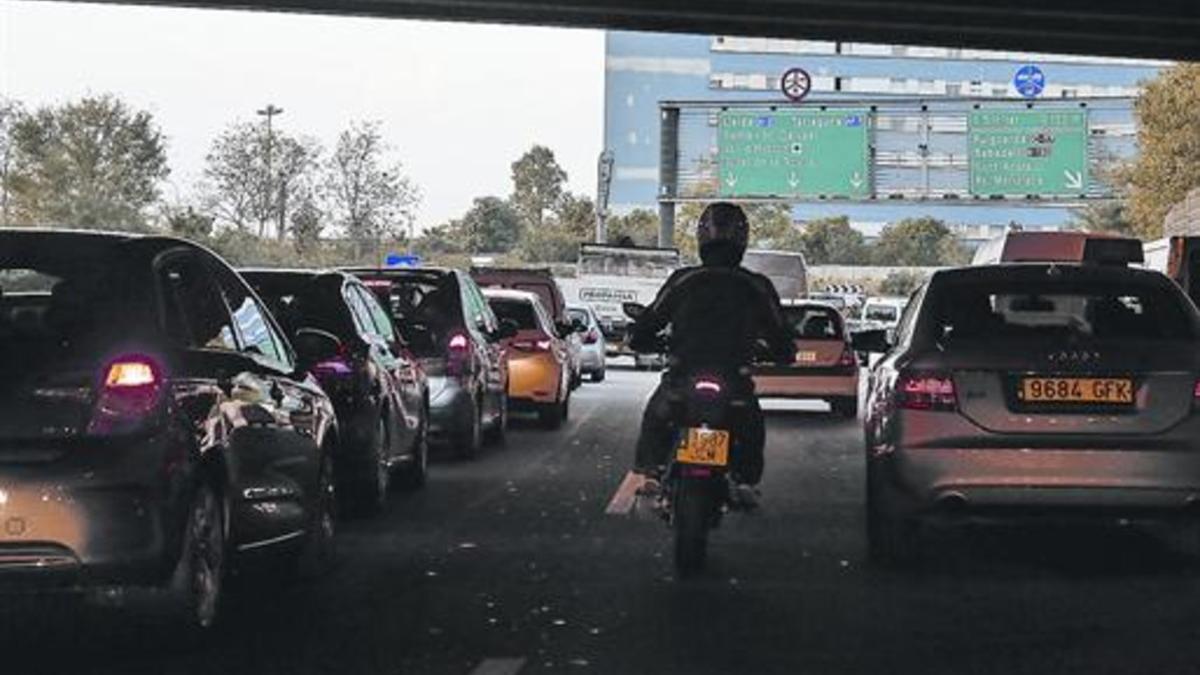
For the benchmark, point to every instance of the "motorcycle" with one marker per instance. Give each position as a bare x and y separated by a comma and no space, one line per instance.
696,489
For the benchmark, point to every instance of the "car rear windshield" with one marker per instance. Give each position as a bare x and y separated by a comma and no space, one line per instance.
518,311
431,300
881,313
1058,310
814,323
300,302
544,291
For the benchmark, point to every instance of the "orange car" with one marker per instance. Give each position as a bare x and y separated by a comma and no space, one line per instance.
539,371
825,368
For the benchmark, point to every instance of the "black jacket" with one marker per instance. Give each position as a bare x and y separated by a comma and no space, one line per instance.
717,314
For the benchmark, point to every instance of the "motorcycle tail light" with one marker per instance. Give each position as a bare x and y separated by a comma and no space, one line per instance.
708,386
926,391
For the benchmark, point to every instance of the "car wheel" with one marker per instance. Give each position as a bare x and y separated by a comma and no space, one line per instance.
892,540
495,435
197,585
417,470
319,554
845,407
468,439
598,376
552,415
373,477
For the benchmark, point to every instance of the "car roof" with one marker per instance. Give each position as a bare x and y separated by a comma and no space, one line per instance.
510,294
805,304
60,246
378,272
1034,271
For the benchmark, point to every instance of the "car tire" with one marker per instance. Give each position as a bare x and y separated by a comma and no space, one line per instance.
846,406
372,477
552,415
416,472
468,438
495,435
196,587
319,554
598,375
892,540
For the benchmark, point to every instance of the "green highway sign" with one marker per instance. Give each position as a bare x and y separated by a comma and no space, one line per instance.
794,153
1028,152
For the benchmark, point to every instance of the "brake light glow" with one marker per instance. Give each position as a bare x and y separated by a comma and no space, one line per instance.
130,388
125,374
592,337
708,386
1196,393
458,342
926,391
848,359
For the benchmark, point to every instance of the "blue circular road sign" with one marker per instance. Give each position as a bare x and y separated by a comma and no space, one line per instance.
1029,81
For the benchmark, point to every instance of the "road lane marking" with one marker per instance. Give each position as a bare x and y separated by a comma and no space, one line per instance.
626,496
499,667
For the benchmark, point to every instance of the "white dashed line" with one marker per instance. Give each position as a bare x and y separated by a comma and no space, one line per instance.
499,667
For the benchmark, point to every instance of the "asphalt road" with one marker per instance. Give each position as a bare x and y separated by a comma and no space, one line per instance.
510,564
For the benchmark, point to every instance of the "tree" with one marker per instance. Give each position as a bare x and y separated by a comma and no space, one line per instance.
1168,161
491,225
246,190
900,283
917,242
538,183
639,225
92,163
307,223
1106,216
189,223
831,241
370,198
10,111
439,239
576,215
772,227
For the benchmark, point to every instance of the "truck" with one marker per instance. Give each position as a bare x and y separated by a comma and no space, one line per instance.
608,276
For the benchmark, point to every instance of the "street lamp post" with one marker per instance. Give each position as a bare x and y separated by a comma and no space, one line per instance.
269,112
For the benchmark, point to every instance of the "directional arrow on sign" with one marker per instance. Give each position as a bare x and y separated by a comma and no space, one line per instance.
1074,179
731,180
856,180
793,182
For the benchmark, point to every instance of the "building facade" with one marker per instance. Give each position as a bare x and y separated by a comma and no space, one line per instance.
644,69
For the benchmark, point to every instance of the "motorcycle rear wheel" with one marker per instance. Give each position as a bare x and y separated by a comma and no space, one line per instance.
693,513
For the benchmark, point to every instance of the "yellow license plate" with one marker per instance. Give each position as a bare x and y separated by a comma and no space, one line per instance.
1110,390
806,357
704,446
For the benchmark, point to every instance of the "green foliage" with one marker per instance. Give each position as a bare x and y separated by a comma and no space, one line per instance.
538,182
370,198
901,283
188,223
639,225
918,242
1108,216
831,241
93,163
1168,160
491,225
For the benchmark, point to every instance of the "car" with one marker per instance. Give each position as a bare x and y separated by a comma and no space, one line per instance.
1033,389
377,386
456,337
158,426
538,359
825,367
592,356
541,282
880,313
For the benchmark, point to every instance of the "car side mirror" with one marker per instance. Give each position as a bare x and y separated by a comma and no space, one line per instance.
507,329
578,326
871,341
314,345
633,310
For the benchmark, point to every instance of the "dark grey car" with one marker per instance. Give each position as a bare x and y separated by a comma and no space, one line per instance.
1048,390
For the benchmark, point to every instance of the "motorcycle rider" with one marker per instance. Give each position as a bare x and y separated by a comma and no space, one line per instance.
720,314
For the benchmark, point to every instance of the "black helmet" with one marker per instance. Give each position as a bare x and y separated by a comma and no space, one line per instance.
722,234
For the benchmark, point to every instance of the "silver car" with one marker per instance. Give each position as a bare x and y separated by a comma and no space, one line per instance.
592,352
1033,390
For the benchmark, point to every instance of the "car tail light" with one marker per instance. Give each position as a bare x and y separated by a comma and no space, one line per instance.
707,386
1196,394
458,343
926,391
592,337
531,345
130,388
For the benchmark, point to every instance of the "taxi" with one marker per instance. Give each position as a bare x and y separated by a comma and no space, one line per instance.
539,366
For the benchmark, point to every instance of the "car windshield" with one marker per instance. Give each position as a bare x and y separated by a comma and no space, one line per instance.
814,323
520,312
1059,311
887,313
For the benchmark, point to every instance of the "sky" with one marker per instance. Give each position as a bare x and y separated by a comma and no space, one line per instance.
459,102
